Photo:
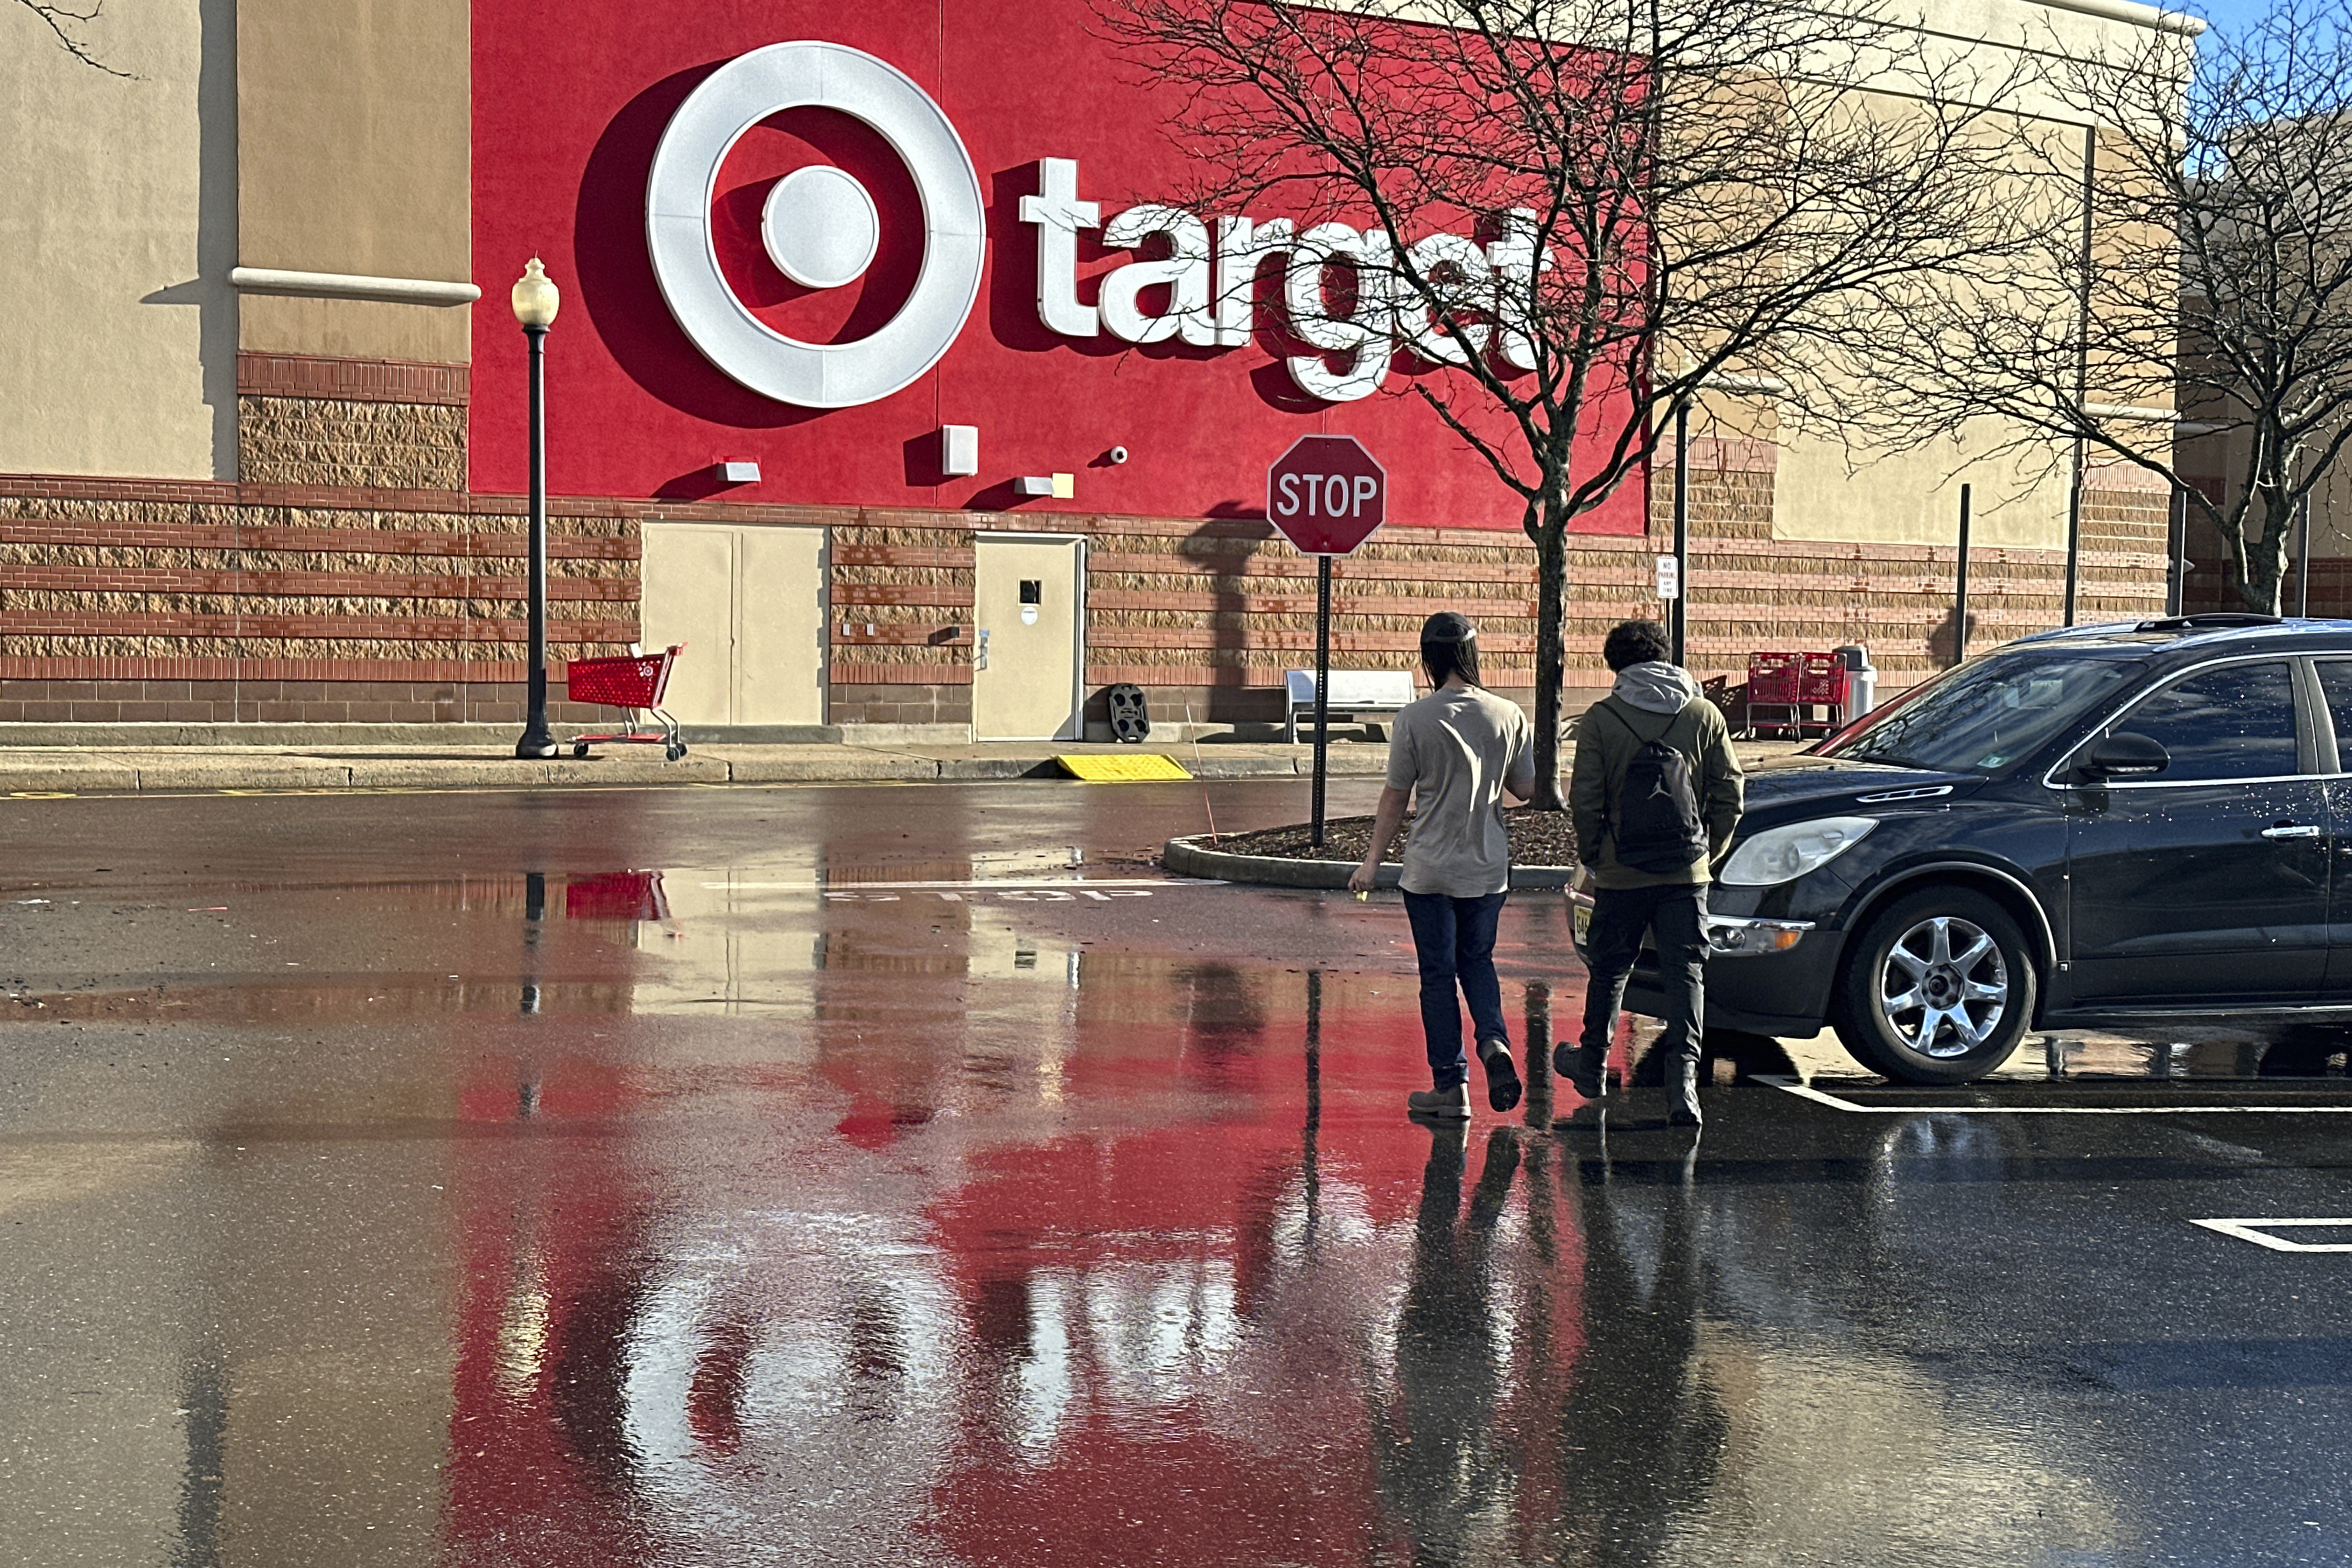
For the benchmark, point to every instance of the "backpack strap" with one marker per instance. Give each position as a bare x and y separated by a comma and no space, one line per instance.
1611,706
1615,710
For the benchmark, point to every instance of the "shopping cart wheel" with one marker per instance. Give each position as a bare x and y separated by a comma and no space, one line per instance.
579,748
675,750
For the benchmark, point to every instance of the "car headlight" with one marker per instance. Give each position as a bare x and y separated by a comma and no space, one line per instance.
1781,855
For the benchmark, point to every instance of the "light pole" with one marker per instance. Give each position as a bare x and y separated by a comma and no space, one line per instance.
1679,622
1678,616
536,300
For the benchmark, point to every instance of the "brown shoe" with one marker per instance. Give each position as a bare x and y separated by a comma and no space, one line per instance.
1503,1086
1440,1104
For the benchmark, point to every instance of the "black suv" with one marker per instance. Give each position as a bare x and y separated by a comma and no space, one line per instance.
2101,827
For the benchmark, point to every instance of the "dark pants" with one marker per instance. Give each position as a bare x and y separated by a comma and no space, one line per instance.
1454,939
1620,917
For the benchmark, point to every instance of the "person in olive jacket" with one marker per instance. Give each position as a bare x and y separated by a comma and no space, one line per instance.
1654,702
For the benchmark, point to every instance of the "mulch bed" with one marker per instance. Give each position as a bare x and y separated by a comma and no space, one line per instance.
1537,838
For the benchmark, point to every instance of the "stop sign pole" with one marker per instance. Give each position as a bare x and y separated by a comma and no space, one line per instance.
1327,496
1322,694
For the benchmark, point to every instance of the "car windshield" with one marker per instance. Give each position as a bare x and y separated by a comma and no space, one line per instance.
1984,716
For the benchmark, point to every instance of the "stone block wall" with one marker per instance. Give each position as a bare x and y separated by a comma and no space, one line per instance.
349,576
322,441
119,597
902,598
358,424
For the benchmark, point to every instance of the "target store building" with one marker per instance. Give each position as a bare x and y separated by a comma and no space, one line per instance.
886,377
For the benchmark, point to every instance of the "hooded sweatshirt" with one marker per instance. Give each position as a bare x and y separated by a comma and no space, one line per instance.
1652,702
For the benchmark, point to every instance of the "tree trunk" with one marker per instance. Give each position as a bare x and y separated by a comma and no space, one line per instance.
2264,584
1551,587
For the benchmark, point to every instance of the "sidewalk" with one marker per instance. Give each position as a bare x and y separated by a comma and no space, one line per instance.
28,768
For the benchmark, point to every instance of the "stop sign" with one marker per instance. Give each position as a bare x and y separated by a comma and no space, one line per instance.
1327,495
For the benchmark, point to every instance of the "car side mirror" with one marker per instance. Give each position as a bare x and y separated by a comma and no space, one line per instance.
2125,756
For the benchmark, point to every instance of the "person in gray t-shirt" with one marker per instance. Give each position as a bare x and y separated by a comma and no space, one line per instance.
1458,749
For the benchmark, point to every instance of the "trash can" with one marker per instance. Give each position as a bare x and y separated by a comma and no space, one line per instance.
1861,680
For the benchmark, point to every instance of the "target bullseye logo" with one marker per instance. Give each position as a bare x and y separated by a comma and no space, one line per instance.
819,226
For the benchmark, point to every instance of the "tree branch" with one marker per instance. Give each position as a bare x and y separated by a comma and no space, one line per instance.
65,20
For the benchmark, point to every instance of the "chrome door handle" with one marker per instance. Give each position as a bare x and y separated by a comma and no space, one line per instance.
2290,830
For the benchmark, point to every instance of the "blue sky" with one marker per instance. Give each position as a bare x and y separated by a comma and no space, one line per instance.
2224,12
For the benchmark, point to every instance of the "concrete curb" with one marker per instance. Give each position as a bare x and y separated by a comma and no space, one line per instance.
28,771
1191,857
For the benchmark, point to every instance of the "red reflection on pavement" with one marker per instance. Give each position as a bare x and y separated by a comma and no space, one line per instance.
1181,1315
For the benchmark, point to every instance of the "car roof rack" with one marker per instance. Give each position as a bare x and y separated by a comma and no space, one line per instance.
2213,620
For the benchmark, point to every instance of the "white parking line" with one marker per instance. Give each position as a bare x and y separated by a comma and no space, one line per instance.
1807,1091
2255,1231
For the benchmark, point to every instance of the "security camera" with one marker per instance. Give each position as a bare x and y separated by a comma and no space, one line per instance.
1118,455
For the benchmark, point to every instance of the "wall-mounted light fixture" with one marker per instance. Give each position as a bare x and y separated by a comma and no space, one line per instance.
737,471
959,450
1061,487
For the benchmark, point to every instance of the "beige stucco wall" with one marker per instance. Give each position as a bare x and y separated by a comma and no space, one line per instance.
117,231
2016,500
354,124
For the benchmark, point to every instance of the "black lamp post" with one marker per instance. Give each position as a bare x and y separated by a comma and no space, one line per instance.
536,300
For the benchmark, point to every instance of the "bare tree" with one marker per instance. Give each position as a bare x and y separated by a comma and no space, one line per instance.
66,21
1563,218
2202,273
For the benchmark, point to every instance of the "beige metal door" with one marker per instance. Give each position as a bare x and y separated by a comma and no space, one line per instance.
749,603
1026,611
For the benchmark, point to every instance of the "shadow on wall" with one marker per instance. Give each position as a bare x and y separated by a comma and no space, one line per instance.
616,276
1229,605
209,290
1944,642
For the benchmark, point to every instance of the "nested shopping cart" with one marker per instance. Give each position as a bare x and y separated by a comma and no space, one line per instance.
633,681
1795,684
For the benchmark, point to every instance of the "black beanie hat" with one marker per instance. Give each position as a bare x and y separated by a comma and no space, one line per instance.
1445,628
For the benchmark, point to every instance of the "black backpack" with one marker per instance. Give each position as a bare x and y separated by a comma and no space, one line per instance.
1655,822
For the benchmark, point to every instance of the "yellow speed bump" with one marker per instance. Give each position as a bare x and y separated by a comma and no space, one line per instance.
1137,767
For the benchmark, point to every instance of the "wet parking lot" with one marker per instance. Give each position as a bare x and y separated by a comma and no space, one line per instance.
908,1175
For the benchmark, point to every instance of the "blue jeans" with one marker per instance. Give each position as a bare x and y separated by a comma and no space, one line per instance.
1454,939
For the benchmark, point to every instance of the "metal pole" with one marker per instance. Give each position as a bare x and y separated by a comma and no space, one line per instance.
534,912
2176,547
2082,374
1960,588
1677,616
1310,1165
1322,688
536,740
2302,563
2074,532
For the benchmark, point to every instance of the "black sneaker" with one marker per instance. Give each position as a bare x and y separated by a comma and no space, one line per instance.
1586,1071
1502,1075
1681,1095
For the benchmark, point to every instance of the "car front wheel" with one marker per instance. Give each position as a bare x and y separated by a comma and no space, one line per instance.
1939,988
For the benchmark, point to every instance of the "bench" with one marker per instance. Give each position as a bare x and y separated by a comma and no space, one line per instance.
1354,692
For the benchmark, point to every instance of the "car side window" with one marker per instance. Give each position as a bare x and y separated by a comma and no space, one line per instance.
2335,686
2235,722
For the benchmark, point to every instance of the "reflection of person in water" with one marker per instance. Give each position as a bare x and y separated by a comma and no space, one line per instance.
1434,1439
1643,1427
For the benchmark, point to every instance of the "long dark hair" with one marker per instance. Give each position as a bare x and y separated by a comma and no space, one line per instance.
1445,660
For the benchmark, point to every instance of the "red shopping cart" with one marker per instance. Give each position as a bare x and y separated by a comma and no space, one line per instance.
632,681
1795,684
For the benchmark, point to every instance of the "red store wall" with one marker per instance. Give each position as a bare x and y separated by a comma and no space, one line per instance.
570,101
